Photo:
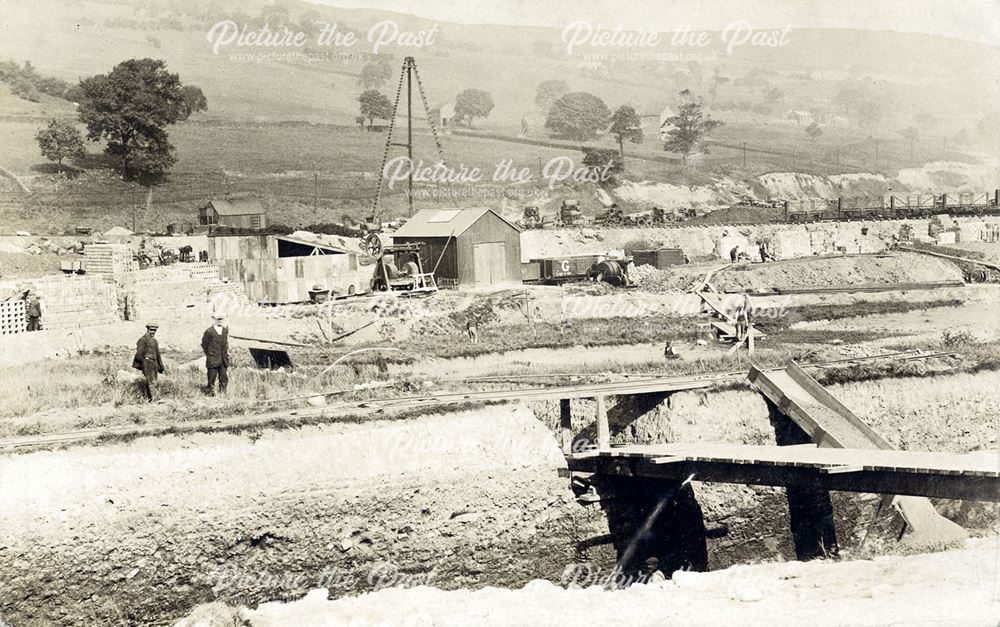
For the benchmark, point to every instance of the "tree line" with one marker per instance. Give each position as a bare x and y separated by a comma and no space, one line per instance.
128,110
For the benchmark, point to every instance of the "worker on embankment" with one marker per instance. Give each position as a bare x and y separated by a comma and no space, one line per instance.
215,345
744,313
147,359
33,310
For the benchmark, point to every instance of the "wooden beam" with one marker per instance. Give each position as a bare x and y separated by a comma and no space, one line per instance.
836,470
566,425
667,460
603,430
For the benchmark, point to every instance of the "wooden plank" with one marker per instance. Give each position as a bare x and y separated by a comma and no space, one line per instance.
835,470
668,460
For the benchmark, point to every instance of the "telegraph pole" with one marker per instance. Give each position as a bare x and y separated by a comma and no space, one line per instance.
315,193
409,126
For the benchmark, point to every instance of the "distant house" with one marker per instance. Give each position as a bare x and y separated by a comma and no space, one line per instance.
247,214
665,125
469,247
444,114
801,118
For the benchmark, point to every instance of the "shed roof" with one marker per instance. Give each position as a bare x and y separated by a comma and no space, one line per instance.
316,241
236,207
445,222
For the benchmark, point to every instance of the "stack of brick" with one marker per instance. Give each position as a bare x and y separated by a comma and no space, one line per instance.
12,317
112,261
73,302
68,302
166,291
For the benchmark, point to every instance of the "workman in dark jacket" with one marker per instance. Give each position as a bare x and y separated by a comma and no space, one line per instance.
33,309
215,344
147,359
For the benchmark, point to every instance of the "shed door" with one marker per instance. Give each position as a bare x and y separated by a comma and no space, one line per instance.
490,260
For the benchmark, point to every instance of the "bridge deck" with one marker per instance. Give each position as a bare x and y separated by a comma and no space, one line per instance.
972,476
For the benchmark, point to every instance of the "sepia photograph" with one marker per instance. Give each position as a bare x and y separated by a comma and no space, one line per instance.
540,313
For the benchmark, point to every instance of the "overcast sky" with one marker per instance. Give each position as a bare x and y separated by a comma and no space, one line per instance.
973,20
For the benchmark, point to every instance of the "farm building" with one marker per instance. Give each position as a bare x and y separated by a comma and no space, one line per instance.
443,114
801,118
665,125
469,247
247,214
277,269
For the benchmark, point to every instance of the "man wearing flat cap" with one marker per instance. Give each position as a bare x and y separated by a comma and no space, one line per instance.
215,344
147,358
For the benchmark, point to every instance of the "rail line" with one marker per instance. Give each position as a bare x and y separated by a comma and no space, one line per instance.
357,409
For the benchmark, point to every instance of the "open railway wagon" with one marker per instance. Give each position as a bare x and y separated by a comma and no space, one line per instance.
892,207
569,268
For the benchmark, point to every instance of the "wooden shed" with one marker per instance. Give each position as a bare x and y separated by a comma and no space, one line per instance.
278,269
247,214
469,247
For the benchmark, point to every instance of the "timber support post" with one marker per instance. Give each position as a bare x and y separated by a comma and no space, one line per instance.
566,426
603,429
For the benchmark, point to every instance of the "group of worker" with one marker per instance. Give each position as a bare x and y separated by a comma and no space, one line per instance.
214,344
737,254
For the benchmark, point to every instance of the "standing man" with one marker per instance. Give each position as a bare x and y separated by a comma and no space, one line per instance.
147,358
215,344
33,309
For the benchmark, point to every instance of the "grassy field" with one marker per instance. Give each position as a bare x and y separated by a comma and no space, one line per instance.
85,392
324,167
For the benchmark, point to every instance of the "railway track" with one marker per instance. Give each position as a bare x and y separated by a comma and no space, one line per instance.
357,409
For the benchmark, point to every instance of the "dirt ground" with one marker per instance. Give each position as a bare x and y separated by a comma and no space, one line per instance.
142,531
949,588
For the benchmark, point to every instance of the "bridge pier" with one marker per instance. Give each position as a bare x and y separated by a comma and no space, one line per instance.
810,510
653,518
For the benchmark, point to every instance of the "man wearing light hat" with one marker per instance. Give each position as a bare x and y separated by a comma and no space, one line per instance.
147,358
215,344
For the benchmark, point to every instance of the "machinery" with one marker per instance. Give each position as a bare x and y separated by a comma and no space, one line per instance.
613,271
399,268
570,213
154,254
532,218
372,243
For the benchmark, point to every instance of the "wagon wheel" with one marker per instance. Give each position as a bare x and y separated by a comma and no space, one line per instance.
642,222
373,245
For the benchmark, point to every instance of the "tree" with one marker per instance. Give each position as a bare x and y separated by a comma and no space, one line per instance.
772,94
578,115
625,124
910,133
374,104
473,103
376,74
194,100
602,157
689,128
130,108
60,140
813,131
548,92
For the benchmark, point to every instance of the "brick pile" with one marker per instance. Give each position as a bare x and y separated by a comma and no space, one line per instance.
166,291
